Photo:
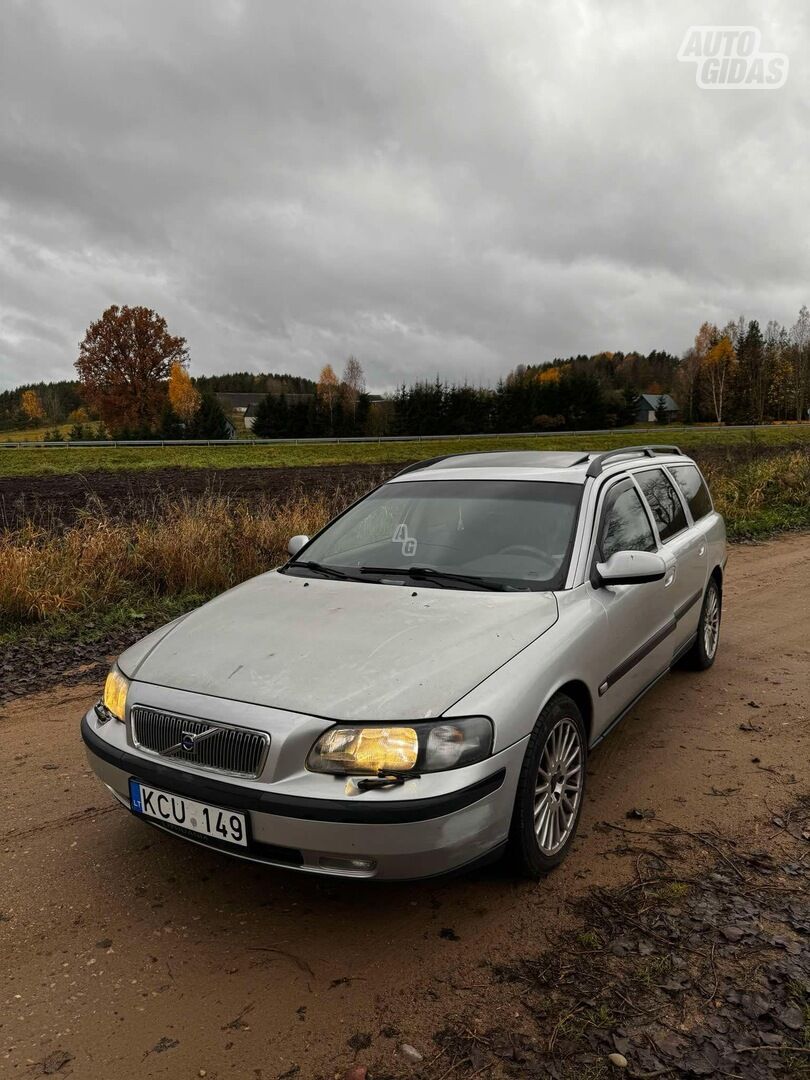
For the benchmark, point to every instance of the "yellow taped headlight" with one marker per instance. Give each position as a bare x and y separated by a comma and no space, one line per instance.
418,747
114,699
365,750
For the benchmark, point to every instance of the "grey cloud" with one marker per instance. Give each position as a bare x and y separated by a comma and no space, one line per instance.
435,187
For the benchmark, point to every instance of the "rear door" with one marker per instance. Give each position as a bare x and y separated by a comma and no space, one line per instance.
639,644
685,544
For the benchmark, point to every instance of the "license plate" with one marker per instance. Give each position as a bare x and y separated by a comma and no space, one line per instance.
210,821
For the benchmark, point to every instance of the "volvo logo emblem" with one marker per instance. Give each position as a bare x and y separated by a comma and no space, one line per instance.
187,744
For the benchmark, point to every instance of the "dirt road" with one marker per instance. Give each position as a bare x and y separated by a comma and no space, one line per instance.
125,952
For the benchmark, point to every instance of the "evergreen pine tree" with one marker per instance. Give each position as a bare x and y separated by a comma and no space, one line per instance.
210,421
264,422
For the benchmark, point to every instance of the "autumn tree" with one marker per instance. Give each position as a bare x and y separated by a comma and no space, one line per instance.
549,375
718,363
124,361
328,388
184,397
31,405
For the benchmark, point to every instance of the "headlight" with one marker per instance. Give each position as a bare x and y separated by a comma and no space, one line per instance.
419,747
114,699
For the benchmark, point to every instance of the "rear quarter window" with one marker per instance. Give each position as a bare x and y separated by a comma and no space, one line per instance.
694,489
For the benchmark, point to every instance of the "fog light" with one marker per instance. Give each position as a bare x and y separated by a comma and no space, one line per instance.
356,863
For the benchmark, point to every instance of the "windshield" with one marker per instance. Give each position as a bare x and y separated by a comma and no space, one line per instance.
510,533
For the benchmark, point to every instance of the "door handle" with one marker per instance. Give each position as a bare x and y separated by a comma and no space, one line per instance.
702,549
669,579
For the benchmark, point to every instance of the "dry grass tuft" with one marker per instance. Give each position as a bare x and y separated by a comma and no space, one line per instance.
199,547
764,494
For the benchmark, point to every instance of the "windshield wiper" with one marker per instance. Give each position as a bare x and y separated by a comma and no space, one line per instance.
319,568
428,573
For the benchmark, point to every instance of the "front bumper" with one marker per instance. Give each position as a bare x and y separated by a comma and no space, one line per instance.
406,838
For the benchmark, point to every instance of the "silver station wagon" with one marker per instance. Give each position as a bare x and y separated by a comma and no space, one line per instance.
417,689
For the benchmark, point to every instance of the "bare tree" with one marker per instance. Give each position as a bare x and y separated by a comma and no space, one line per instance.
353,382
800,361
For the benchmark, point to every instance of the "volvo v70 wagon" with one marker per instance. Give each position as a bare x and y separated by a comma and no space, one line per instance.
417,689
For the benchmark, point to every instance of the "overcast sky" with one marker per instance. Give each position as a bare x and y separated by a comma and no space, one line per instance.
434,186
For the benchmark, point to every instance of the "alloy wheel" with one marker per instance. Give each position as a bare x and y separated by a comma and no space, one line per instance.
558,788
711,623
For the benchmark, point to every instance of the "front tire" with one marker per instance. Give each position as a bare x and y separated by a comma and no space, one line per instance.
550,789
702,654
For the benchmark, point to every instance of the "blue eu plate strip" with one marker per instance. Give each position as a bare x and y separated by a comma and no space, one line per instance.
135,796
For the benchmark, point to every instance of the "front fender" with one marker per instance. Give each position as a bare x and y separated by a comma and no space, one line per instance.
570,650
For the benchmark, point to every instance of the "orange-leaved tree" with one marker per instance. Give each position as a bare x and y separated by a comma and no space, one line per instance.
720,363
327,389
31,405
124,361
184,397
549,375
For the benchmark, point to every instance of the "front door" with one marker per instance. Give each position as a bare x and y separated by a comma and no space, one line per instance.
639,619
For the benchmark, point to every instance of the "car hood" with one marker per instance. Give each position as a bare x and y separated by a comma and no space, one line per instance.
339,649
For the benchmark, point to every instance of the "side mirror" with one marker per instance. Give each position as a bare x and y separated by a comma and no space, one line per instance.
295,543
631,568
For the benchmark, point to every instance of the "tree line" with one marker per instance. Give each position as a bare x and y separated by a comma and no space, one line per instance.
740,374
133,381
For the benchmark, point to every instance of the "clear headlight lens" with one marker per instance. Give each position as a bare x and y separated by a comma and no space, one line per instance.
420,747
114,698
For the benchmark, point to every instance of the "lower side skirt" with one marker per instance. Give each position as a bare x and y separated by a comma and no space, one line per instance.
679,655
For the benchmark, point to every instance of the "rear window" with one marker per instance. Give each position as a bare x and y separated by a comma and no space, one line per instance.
694,489
663,500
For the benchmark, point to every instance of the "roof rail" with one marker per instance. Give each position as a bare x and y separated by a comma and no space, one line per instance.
414,465
595,467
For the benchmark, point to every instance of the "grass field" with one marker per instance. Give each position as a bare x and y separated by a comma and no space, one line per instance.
35,434
58,460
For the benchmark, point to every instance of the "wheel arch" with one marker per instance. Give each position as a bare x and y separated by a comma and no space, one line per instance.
579,693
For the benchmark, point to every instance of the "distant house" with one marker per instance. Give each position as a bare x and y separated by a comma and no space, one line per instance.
250,416
238,403
648,403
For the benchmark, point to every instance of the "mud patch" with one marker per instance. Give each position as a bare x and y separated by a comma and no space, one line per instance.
698,967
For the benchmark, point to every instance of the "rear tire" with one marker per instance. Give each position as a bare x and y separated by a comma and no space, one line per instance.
550,790
704,650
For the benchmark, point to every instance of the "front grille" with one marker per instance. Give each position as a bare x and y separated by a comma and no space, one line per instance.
238,751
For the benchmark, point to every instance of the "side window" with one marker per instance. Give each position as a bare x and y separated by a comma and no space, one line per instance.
663,500
694,490
625,525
